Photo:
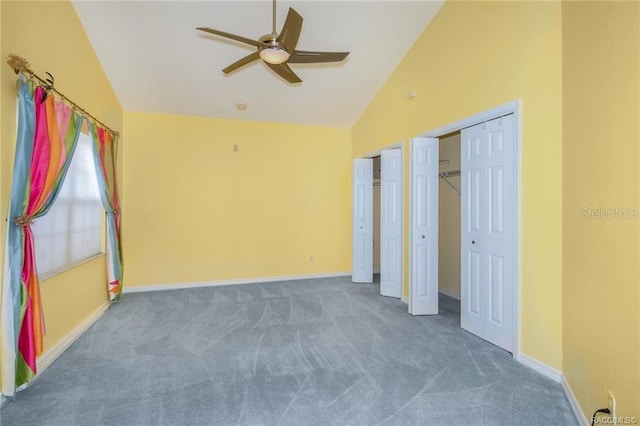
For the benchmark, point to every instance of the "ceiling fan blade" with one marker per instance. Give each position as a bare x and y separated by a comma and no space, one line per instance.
232,36
285,72
302,57
291,30
242,62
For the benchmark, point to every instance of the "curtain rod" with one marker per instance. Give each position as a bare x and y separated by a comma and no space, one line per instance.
19,64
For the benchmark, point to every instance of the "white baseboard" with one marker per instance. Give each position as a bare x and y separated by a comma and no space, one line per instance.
405,300
575,406
175,286
47,358
449,293
540,367
556,376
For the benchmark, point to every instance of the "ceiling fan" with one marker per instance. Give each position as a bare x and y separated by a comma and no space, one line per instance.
279,50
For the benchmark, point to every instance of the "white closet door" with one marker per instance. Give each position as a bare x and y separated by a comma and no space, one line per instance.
472,311
423,299
391,223
488,231
362,257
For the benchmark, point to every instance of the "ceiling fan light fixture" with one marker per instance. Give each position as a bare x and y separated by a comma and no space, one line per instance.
274,55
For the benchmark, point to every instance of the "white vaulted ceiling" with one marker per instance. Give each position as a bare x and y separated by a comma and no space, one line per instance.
157,62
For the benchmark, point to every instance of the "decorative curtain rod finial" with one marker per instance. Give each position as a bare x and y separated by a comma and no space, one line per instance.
18,63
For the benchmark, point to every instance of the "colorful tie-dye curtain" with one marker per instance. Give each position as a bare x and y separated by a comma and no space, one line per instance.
47,136
104,155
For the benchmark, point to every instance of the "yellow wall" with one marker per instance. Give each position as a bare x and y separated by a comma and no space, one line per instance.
50,37
194,210
449,218
198,211
601,94
472,57
3,208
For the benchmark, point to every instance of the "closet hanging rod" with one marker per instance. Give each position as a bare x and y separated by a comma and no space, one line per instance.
450,173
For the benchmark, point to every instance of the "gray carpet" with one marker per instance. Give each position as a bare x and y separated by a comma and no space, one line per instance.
316,352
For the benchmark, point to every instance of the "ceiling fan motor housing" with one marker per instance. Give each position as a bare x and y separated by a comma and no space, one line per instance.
270,41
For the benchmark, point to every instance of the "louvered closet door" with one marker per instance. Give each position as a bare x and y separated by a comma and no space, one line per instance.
488,231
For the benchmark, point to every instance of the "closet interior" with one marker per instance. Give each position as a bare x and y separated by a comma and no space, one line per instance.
449,216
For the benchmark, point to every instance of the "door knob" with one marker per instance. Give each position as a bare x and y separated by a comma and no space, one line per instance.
473,241
422,237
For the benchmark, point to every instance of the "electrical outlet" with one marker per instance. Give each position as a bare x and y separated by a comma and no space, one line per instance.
612,404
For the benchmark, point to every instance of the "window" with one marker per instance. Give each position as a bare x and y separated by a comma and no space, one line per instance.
72,230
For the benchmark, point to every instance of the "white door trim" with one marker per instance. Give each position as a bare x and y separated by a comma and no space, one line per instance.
508,108
514,108
377,152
